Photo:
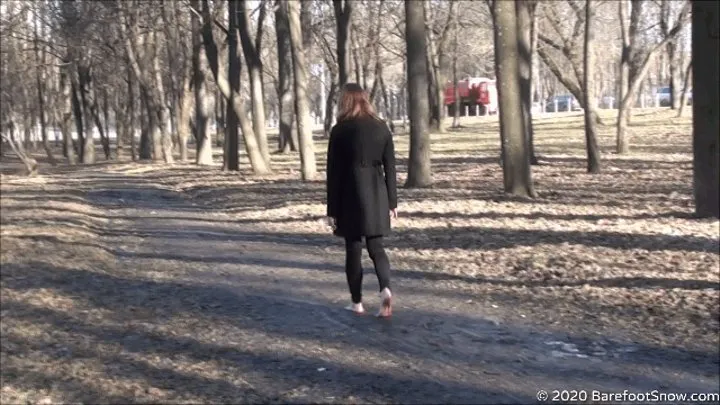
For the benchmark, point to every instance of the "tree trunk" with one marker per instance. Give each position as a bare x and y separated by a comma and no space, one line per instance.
231,94
67,114
231,129
154,131
356,60
302,112
419,168
78,115
686,85
635,61
673,62
251,51
156,134
31,167
43,125
203,112
103,125
621,143
456,93
88,144
516,159
329,107
163,114
343,13
375,40
432,90
284,90
438,61
130,114
220,119
706,108
593,152
526,25
183,118
203,99
40,83
28,127
146,118
439,113
122,127
121,130
386,103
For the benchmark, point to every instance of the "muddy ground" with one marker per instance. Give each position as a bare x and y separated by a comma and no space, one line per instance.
136,282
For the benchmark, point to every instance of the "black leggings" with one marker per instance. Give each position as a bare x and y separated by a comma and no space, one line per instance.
353,264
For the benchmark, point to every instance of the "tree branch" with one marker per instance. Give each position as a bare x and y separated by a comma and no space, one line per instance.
551,43
260,26
214,20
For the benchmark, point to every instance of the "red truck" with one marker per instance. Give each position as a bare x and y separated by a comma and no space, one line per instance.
478,96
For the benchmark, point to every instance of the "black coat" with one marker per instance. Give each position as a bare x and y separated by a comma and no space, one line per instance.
361,180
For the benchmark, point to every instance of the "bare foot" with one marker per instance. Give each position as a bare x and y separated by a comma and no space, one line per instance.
386,308
356,308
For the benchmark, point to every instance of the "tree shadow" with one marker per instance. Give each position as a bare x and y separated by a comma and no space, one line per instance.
282,372
291,318
544,215
619,161
240,258
466,237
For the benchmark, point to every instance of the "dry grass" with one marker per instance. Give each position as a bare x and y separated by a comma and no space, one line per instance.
616,254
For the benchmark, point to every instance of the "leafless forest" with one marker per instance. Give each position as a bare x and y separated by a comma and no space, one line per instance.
162,172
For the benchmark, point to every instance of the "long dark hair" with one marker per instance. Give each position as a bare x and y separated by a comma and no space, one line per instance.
354,103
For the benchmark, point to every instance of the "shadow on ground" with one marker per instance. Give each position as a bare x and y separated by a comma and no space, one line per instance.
135,310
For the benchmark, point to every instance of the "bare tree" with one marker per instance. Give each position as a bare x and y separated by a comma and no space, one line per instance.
456,93
231,94
287,142
67,114
419,169
675,62
635,60
438,37
562,51
526,26
202,96
150,79
706,108
180,74
516,159
251,50
343,17
302,112
231,129
31,166
40,62
686,85
593,152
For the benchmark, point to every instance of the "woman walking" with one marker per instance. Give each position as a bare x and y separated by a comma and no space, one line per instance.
362,191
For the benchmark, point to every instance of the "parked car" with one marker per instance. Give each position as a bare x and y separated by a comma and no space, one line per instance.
563,101
663,96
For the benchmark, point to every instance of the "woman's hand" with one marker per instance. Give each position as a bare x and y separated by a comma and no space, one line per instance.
393,213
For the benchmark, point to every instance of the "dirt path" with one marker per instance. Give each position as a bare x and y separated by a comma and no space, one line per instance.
190,306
